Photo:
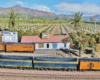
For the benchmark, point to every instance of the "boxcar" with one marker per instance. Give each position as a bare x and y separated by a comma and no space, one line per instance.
11,47
11,61
55,63
2,47
89,64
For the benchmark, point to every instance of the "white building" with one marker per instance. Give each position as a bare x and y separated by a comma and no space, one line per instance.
47,42
9,36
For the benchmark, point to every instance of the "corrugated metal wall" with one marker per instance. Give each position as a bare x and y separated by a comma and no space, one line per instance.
9,36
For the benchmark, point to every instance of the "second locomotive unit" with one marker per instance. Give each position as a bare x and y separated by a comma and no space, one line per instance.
49,63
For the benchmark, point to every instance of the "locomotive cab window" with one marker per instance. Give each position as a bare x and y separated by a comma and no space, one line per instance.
47,45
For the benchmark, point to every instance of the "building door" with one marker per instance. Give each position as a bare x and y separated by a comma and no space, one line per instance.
47,45
54,45
64,45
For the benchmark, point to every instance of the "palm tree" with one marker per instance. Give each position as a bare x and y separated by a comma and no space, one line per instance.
81,43
12,19
77,20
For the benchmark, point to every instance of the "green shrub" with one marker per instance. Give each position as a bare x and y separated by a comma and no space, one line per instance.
36,33
20,33
80,33
89,34
28,33
44,31
73,36
68,39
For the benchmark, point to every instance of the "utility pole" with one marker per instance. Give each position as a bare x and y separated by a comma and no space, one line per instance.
95,27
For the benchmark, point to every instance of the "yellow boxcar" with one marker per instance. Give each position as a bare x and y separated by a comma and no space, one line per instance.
0,38
2,47
11,47
89,64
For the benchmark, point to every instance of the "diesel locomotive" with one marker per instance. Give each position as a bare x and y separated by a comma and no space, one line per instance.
21,62
49,63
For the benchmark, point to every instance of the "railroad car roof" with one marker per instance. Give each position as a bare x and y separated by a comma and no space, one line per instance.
55,59
19,43
2,43
89,59
16,57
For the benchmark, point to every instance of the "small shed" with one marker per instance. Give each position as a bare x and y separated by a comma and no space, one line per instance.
9,36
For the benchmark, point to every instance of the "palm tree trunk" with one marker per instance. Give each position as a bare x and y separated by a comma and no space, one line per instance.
13,25
12,28
80,49
75,29
76,33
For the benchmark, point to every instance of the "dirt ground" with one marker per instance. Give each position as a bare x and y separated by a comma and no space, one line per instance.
54,53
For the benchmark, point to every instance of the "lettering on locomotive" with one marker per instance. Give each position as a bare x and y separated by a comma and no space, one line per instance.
90,65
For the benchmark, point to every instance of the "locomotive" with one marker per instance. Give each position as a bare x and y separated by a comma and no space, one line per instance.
49,63
21,62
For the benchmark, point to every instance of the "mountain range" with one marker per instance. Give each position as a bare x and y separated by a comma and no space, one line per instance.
22,10
37,13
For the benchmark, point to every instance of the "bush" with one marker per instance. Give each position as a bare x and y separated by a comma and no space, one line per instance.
28,33
86,40
73,36
92,42
36,33
44,31
97,37
99,33
80,33
68,39
20,33
89,34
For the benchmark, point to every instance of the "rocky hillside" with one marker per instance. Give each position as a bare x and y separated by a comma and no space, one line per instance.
22,10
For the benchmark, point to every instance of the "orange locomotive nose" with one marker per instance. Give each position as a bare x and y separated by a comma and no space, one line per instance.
89,64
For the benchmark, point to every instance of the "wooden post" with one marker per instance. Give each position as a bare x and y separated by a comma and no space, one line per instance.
69,52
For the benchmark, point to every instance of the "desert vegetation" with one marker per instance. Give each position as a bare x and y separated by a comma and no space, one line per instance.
83,33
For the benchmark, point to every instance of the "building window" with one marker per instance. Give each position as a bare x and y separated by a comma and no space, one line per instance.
41,45
47,45
65,45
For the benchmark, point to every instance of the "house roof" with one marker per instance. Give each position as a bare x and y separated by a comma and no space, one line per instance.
37,39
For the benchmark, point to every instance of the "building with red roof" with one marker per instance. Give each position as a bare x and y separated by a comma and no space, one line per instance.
46,41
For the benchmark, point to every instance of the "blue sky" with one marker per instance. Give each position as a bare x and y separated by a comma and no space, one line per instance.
87,7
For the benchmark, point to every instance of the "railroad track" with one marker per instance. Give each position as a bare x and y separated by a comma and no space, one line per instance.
49,76
12,74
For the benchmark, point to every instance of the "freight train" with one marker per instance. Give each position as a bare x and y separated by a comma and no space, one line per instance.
49,63
19,47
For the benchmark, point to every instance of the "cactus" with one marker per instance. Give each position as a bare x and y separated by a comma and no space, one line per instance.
99,33
97,48
98,39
